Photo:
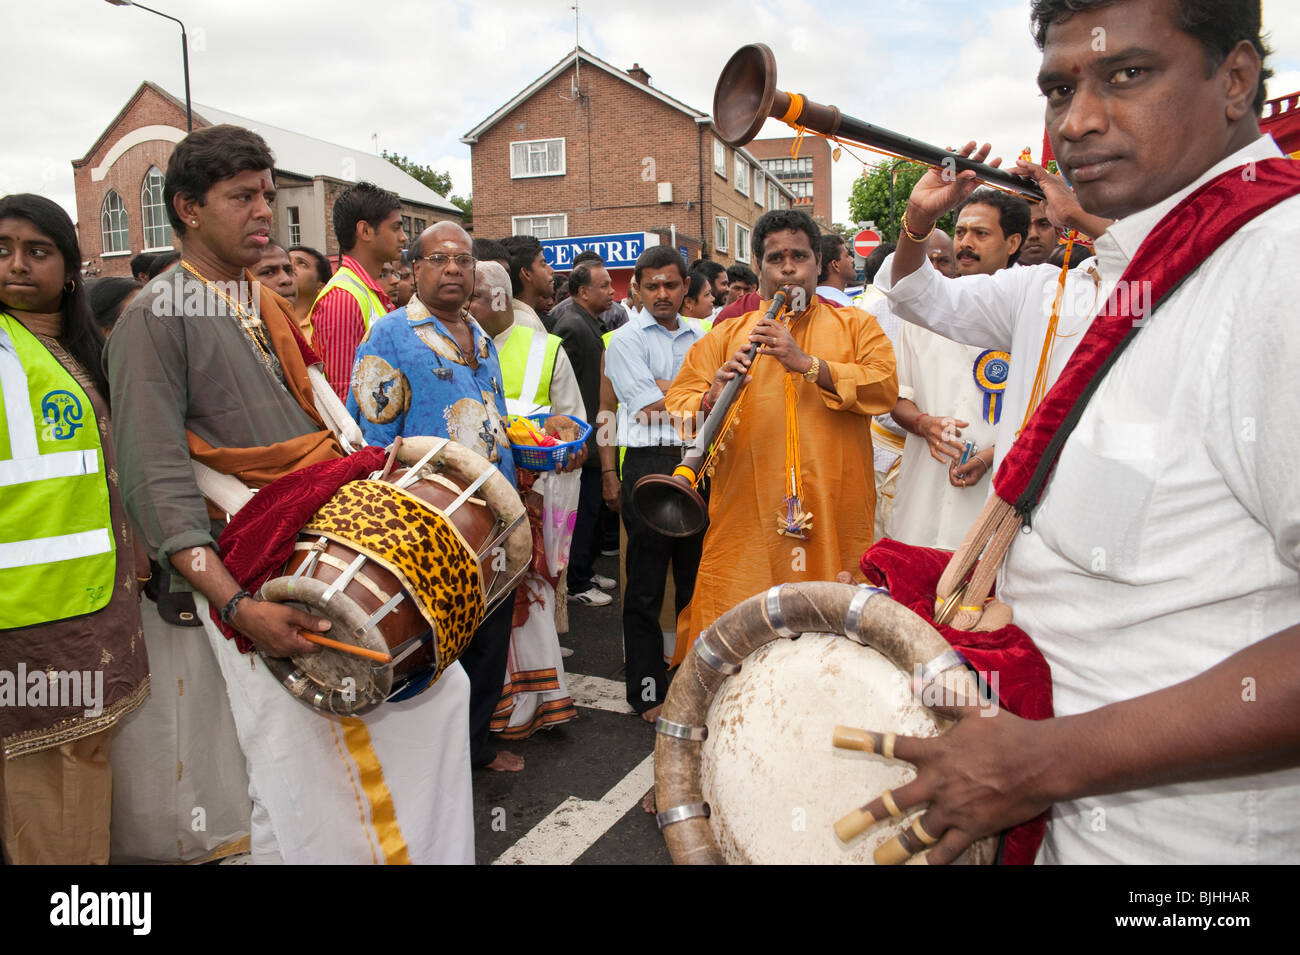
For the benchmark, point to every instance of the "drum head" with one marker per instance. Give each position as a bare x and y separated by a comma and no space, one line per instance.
773,780
335,670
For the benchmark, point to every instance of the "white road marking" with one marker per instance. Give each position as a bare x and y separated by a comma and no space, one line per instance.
597,693
574,825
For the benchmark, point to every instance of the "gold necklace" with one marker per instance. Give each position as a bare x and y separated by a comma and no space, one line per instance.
249,321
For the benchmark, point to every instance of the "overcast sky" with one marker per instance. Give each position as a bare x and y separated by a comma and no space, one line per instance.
422,73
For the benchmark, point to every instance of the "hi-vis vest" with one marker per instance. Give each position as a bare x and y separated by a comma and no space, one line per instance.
369,303
57,554
527,364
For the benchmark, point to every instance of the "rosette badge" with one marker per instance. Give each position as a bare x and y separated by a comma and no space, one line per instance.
991,370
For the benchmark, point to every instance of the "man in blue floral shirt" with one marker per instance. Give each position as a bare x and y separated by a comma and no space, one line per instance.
429,369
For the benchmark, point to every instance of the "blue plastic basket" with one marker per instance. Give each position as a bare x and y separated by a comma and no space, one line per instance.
535,458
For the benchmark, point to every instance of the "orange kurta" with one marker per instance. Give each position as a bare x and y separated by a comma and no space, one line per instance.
743,553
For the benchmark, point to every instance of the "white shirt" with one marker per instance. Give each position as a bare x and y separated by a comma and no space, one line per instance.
638,354
835,295
873,301
1008,310
937,374
525,315
1169,535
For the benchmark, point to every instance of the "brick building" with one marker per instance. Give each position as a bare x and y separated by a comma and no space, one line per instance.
119,183
591,156
808,176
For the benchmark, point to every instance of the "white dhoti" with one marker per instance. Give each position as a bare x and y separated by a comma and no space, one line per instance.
180,792
392,786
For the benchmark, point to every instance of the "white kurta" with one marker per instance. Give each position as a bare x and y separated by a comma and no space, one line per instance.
1008,310
938,375
874,302
1169,535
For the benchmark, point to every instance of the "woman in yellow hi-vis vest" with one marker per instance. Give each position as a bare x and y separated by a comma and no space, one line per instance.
72,656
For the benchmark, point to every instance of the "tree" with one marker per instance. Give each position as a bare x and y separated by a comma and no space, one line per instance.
869,200
466,205
439,182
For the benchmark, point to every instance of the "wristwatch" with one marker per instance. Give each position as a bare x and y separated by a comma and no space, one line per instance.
813,371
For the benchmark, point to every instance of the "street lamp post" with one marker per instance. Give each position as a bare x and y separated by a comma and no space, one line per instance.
185,53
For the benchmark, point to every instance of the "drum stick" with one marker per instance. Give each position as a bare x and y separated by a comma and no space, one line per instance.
850,826
846,737
346,647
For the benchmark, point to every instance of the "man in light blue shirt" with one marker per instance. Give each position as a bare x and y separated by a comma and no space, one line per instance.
641,360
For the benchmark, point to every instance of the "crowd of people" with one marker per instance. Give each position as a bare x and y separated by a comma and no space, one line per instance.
975,385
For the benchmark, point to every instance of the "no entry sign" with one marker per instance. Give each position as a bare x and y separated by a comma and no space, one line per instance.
865,242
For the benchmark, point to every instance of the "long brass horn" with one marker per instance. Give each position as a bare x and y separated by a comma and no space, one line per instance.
669,503
746,96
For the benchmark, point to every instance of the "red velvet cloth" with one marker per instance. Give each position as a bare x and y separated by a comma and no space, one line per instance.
1181,241
260,538
309,356
1024,681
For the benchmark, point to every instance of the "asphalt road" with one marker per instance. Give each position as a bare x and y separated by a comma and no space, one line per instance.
578,799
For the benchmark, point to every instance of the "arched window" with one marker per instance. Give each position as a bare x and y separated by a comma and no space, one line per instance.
112,221
157,230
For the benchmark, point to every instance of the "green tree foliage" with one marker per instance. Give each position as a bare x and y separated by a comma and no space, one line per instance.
869,200
439,182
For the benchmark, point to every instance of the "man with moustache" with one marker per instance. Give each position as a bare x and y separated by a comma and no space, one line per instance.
228,387
1174,673
838,269
312,271
719,281
641,361
277,273
950,394
1040,241
432,352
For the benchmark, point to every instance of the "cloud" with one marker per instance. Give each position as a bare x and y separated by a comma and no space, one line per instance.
421,74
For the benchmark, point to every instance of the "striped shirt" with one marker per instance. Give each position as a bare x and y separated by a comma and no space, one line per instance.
339,328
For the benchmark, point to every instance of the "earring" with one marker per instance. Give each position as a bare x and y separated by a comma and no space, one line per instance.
69,286
194,222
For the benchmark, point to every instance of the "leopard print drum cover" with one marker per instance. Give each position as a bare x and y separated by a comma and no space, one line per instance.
407,565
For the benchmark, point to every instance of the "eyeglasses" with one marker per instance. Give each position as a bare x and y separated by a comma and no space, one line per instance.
439,260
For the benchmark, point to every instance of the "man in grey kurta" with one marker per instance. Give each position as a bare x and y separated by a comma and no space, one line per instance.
179,359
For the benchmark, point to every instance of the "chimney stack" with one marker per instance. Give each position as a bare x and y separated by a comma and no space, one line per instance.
639,74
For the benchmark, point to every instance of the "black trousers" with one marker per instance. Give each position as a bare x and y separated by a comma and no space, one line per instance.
585,547
485,662
648,556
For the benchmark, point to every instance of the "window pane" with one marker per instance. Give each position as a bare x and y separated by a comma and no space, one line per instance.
113,224
157,230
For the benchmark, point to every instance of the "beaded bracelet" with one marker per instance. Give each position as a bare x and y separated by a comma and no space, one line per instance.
228,610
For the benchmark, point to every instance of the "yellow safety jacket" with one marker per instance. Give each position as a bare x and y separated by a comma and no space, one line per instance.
366,298
527,364
57,551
